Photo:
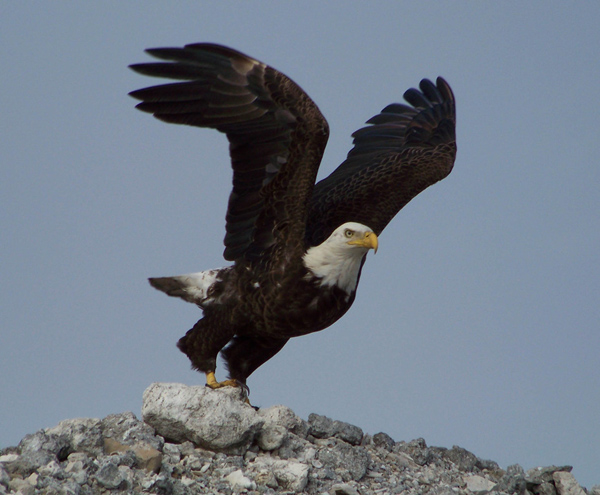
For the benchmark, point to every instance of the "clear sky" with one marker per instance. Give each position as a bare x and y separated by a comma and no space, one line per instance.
477,322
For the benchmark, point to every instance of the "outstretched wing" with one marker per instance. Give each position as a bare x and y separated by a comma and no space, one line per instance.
404,151
276,134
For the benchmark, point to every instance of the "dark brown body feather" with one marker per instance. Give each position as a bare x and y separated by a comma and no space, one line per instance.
277,137
260,311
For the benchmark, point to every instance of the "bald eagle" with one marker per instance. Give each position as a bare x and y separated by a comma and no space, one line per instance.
297,247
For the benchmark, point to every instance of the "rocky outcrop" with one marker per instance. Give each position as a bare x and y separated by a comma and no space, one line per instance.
196,440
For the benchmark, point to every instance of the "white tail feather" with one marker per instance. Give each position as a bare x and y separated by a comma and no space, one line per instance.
191,287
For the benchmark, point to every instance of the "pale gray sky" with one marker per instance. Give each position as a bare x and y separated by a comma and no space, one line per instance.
476,324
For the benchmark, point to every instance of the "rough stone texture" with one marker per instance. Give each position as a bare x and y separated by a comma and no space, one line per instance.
478,484
269,451
214,419
566,484
323,427
80,434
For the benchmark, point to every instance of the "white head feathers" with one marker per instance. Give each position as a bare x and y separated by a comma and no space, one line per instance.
337,260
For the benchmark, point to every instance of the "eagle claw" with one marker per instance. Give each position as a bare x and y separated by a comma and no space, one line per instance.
212,382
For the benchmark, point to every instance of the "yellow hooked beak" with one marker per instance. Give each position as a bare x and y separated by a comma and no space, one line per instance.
369,240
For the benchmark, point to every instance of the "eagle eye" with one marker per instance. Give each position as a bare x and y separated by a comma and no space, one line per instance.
348,233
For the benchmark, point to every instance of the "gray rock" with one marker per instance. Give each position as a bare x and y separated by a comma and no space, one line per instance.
545,488
79,435
324,427
127,429
53,469
350,462
39,441
29,462
465,460
540,475
566,484
214,419
383,440
271,437
21,487
113,477
264,477
293,447
4,476
418,451
513,481
77,467
237,449
284,416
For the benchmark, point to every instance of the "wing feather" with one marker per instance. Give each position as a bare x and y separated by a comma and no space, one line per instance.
276,133
404,150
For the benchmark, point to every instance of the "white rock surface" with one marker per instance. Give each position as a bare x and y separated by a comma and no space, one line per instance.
214,419
239,481
478,483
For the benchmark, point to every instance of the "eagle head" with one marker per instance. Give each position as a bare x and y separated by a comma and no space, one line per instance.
337,260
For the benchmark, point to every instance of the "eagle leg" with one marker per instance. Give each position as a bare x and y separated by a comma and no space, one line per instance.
245,353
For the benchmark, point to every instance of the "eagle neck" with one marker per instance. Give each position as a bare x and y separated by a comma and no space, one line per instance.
333,266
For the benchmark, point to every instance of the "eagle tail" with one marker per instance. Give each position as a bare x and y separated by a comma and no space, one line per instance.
191,287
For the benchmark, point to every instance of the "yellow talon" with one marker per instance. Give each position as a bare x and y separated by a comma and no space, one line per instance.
212,382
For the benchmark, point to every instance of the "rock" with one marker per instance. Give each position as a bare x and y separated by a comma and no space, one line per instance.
418,451
80,434
214,419
343,489
21,486
146,457
465,460
239,481
350,462
28,463
323,427
215,443
291,475
127,429
76,468
113,477
271,436
513,481
149,459
285,417
4,476
566,484
478,484
383,440
52,445
539,475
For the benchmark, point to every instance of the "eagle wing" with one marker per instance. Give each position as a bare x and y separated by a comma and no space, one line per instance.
276,134
404,151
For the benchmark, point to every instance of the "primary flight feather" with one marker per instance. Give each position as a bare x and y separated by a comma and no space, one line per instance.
298,247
